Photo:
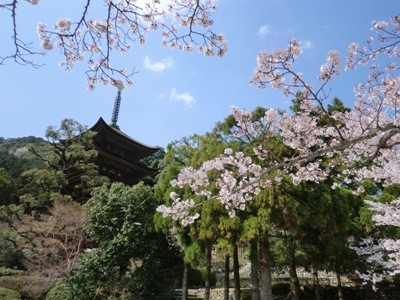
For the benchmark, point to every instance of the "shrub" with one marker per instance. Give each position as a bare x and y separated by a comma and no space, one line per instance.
281,288
246,293
197,277
10,272
30,287
59,291
9,256
7,294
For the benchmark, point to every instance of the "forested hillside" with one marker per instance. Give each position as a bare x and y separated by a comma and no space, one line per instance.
45,229
15,156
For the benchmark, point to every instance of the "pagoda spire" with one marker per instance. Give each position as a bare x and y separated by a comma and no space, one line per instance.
115,113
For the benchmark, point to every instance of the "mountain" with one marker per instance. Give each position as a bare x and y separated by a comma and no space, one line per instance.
15,156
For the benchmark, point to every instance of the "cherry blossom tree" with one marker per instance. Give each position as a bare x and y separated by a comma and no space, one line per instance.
362,142
184,25
382,253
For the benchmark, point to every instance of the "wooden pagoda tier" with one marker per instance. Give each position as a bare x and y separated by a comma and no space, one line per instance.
119,155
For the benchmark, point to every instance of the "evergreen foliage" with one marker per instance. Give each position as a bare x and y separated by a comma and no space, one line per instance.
127,258
15,156
59,291
7,294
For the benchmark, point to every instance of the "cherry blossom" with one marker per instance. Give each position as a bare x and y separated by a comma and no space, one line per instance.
236,185
363,142
34,2
97,41
382,254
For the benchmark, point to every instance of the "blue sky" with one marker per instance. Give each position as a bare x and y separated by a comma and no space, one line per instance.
176,94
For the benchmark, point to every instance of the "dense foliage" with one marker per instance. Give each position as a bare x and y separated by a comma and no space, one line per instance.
109,244
109,247
264,180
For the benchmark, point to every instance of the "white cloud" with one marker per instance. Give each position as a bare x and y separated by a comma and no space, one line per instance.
263,31
186,98
306,44
158,66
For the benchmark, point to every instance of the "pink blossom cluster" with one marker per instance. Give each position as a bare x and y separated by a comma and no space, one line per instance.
237,183
92,40
250,128
276,69
367,133
331,67
382,254
388,39
44,39
34,2
380,265
273,68
386,214
179,209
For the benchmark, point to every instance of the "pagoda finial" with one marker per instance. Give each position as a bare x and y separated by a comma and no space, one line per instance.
114,117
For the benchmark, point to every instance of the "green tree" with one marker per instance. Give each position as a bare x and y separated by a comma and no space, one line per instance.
10,257
177,156
120,221
192,152
257,220
7,188
69,170
315,223
211,227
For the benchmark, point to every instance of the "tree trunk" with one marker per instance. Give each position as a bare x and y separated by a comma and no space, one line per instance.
226,277
236,275
254,270
339,286
185,280
316,284
207,285
265,269
294,280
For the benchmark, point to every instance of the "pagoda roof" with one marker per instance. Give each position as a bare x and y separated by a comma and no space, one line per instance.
121,170
129,148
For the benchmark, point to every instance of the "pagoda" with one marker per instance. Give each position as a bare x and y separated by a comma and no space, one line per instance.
119,156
